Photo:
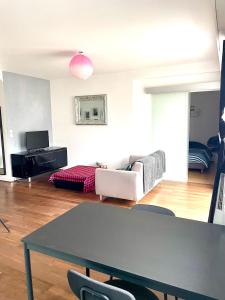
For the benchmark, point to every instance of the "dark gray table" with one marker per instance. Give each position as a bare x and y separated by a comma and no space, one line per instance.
177,256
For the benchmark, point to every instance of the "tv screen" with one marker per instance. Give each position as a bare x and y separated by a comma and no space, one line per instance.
37,140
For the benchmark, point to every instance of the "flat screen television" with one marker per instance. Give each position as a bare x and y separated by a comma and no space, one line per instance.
37,140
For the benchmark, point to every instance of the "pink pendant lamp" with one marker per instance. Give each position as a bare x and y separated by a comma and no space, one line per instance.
81,66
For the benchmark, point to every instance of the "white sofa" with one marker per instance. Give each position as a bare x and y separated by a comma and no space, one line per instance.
121,184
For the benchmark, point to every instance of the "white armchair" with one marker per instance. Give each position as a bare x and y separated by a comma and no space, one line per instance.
122,184
119,183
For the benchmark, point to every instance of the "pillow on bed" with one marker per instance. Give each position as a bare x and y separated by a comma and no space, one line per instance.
197,145
200,147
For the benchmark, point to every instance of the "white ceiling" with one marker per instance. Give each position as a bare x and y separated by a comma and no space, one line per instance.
38,37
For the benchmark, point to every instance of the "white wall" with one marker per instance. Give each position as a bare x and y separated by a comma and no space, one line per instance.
129,115
141,138
112,143
170,130
206,124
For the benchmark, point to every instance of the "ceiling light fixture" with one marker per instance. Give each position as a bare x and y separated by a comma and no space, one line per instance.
81,66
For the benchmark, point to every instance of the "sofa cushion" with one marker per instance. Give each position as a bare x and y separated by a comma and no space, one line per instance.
126,167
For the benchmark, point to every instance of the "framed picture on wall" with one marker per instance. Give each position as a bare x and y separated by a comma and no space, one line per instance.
91,109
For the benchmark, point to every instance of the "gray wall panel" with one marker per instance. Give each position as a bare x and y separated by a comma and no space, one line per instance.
28,107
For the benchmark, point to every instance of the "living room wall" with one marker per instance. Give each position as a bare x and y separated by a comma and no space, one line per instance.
170,132
26,107
129,112
113,143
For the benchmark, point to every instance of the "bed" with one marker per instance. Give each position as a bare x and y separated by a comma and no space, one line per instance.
199,157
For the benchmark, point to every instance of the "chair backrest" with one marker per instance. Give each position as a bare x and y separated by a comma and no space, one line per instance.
86,288
154,209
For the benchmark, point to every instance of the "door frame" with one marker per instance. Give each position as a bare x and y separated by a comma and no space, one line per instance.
221,156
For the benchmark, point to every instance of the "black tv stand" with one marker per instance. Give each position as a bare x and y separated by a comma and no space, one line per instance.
38,150
27,164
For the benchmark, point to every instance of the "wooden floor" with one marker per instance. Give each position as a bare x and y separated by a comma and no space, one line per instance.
207,177
25,207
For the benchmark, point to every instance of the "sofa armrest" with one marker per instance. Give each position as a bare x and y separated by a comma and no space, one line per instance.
119,184
138,167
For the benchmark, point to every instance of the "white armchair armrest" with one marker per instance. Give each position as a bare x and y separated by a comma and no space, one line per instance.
119,183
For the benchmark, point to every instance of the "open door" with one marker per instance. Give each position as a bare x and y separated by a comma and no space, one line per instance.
218,188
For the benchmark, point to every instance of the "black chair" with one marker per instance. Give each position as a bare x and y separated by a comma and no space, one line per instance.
155,209
158,210
2,222
86,288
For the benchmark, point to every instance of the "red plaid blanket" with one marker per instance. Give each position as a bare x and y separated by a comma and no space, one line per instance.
85,174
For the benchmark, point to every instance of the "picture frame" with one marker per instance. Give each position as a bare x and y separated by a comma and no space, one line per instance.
91,109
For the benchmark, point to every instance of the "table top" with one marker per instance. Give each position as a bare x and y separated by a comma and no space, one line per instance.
184,257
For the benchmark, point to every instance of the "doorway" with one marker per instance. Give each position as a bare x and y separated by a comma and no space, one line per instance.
203,136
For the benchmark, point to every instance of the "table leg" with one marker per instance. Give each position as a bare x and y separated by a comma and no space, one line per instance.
87,272
28,273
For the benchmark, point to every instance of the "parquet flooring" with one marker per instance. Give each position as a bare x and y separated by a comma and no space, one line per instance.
25,207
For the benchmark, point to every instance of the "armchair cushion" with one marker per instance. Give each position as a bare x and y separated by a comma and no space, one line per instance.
127,167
